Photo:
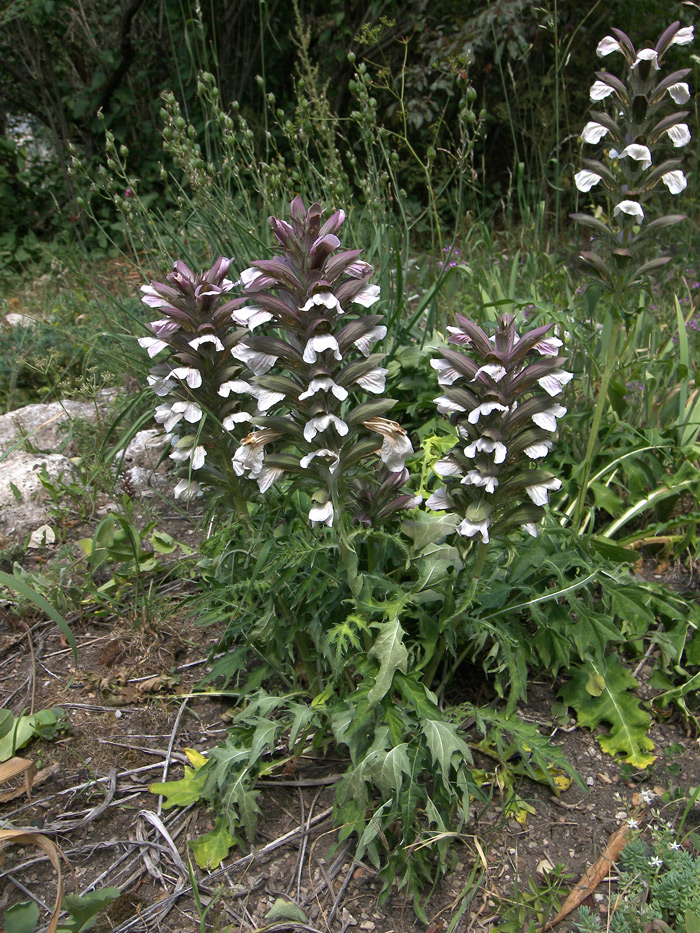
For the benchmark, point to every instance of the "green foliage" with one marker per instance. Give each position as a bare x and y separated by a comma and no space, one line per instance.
659,887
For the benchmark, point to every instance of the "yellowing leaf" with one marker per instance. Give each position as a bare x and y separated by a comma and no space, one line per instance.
183,792
211,849
196,758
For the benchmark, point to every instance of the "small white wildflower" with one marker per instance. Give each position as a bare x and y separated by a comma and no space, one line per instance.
679,135
320,344
585,180
631,208
206,338
641,154
632,823
675,181
684,36
601,90
647,55
647,795
606,46
680,93
675,846
593,132
656,862
469,529
322,514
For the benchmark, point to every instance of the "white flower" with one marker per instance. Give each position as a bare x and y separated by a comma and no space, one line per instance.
684,36
324,384
446,467
680,93
494,370
320,344
606,46
446,406
638,153
675,181
230,421
374,380
647,55
206,338
632,823
238,386
325,454
164,327
555,381
485,409
367,296
487,446
675,846
187,489
468,529
438,502
322,514
152,344
266,398
474,478
679,135
258,363
647,795
547,419
192,376
396,446
160,386
267,476
593,132
364,344
632,208
447,374
251,316
248,277
198,456
601,90
324,299
549,346
250,454
585,180
656,862
321,423
539,491
530,528
540,449
170,415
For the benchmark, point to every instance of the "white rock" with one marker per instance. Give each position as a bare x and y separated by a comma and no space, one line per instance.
42,536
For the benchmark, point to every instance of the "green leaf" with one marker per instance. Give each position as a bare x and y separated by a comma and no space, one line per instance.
162,542
84,908
18,497
283,909
19,586
615,705
390,651
21,918
7,721
25,728
444,744
211,849
393,768
183,792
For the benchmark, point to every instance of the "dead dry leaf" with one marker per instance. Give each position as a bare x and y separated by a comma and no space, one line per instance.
23,838
592,877
14,768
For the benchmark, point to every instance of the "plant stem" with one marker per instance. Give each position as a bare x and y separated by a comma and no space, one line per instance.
597,418
441,647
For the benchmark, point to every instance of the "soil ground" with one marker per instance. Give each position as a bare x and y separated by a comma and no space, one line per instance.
131,715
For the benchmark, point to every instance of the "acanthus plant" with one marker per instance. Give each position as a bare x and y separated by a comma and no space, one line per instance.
201,386
640,139
639,135
503,402
313,368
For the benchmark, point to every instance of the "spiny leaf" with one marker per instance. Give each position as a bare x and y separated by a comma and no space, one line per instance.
393,768
183,792
444,744
389,650
615,705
